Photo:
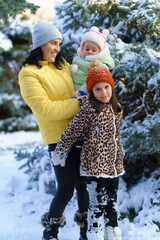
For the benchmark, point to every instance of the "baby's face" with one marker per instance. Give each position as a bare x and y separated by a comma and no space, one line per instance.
90,48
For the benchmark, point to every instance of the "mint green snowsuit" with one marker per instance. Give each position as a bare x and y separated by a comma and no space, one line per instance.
79,77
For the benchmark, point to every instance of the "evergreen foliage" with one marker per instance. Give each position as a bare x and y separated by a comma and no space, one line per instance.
11,8
14,113
137,76
132,21
38,166
136,207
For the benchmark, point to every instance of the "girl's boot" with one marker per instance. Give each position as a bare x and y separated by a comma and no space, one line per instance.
112,233
51,226
81,220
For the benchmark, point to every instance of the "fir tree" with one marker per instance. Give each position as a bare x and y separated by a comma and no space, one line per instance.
11,8
14,113
132,21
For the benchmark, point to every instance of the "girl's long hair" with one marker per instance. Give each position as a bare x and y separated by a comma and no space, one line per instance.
36,55
115,104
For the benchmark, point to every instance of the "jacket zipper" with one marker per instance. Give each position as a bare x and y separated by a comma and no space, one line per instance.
115,141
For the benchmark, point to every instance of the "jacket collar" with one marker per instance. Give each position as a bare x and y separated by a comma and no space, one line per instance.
44,63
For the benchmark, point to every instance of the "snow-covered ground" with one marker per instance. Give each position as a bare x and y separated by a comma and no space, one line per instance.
21,209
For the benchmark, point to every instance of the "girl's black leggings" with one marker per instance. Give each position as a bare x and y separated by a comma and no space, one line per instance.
103,201
68,178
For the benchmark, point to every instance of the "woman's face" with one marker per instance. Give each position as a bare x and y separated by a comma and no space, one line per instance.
51,49
103,92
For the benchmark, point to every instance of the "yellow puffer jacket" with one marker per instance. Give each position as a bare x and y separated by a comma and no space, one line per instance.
48,92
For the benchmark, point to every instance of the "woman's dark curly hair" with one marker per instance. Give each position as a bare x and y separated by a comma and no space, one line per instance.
36,55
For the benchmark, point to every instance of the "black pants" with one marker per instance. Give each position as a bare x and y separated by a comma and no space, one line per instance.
68,178
102,204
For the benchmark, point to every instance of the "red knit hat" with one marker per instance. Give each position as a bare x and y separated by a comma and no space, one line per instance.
97,75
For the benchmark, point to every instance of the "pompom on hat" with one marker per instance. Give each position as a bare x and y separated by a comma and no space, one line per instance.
44,32
94,36
97,75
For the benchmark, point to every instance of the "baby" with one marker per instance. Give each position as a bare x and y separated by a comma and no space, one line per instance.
93,47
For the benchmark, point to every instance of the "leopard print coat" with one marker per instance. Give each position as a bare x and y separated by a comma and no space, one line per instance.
102,153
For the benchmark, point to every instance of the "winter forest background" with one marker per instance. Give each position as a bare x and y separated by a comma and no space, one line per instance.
134,42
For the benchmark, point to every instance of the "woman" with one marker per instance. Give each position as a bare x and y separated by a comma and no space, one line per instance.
47,87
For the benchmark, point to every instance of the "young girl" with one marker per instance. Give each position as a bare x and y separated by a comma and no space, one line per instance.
93,47
98,123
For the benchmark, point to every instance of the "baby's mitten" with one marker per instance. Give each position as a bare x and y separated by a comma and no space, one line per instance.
79,93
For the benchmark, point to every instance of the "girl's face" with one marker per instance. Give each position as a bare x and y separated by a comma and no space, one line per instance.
51,49
102,92
90,48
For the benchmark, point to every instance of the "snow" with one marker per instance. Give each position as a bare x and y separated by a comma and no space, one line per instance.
154,79
5,43
21,208
118,27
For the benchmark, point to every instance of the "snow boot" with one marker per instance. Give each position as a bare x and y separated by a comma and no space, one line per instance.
112,233
81,220
51,226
